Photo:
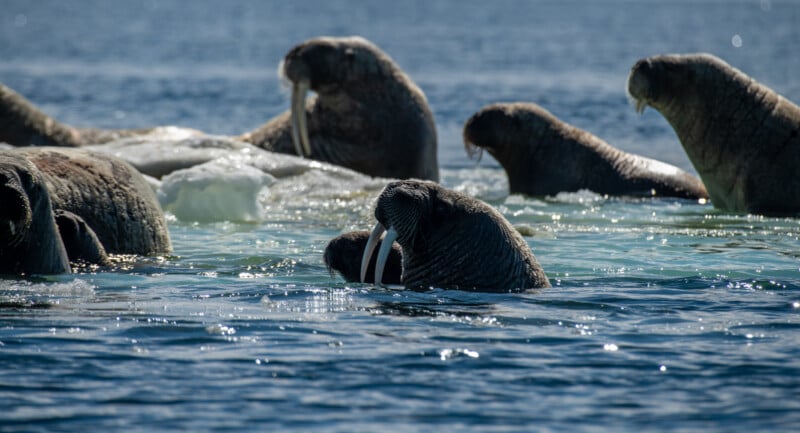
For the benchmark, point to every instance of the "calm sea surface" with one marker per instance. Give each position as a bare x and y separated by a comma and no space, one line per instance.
665,315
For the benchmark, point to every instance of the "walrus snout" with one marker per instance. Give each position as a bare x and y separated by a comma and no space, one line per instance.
497,128
640,84
477,133
341,250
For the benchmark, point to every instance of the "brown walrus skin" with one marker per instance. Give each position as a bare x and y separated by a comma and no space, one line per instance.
451,241
544,156
22,124
367,114
742,137
343,255
62,203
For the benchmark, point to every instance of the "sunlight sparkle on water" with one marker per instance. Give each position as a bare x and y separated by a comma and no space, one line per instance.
446,354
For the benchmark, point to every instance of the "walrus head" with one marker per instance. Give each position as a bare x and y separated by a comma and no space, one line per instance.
16,213
509,131
450,240
668,82
366,114
326,65
29,240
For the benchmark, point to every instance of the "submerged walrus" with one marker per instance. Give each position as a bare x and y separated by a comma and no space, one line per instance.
544,156
61,205
343,255
367,114
450,241
22,124
742,137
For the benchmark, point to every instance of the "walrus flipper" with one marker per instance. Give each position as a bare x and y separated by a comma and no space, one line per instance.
80,240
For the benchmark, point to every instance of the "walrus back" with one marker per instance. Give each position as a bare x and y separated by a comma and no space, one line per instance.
109,194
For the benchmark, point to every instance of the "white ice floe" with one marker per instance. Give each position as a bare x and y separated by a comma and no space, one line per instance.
211,178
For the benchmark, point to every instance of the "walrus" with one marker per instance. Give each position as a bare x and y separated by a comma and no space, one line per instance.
450,241
343,255
367,114
742,137
23,124
543,155
62,205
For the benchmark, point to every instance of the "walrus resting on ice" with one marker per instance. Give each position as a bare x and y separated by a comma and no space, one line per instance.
22,124
742,137
61,204
367,114
343,255
450,241
544,156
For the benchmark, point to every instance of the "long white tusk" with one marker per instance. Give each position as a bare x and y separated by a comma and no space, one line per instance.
372,242
299,126
383,254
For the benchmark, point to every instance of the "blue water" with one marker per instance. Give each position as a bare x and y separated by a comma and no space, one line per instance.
665,315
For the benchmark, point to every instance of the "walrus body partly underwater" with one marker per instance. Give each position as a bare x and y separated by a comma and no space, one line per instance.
450,241
62,205
742,137
544,156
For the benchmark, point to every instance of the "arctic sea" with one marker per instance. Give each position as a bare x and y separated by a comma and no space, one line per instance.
665,315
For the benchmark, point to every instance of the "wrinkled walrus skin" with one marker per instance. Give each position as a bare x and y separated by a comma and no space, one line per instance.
93,197
742,137
544,156
367,114
451,241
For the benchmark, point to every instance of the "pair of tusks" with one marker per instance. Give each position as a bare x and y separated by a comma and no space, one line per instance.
383,253
299,125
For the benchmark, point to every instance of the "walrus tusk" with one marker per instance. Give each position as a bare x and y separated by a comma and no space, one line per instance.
640,105
372,242
299,125
383,254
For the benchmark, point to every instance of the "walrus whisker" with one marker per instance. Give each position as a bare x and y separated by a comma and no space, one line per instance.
284,81
299,125
383,254
372,242
473,151
640,105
